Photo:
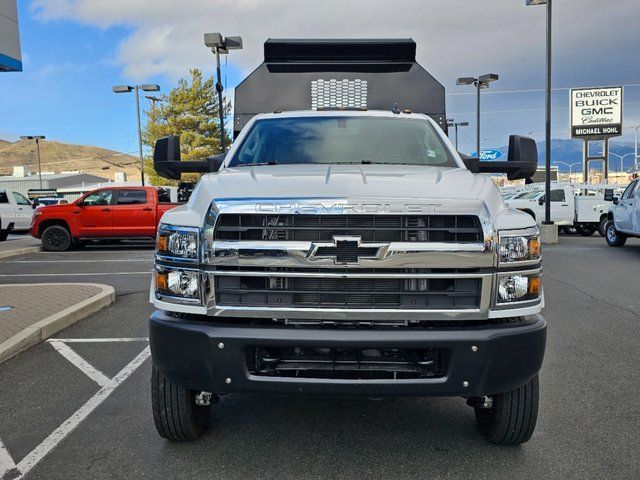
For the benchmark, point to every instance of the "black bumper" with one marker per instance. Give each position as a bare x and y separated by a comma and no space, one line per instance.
188,352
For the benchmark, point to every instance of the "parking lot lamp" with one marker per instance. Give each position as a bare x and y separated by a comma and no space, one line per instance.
221,45
481,82
37,138
136,89
452,123
621,157
547,129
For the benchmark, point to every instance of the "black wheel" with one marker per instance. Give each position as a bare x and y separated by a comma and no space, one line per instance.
56,239
3,235
613,237
602,226
512,417
586,229
175,412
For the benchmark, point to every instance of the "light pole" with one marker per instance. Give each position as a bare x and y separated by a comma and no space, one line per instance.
635,158
570,165
37,138
221,45
481,82
136,89
452,123
547,129
621,157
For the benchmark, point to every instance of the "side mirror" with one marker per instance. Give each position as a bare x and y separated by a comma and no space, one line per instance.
166,160
80,203
522,160
541,201
165,157
615,200
608,195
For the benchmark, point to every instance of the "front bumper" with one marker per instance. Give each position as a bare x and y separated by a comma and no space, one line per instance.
188,352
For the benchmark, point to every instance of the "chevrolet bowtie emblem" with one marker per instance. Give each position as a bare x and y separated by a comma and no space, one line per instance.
347,250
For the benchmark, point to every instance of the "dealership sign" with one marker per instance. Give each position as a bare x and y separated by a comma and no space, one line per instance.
596,112
488,154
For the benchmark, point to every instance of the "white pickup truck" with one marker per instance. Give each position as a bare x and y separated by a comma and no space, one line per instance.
624,215
16,212
346,251
586,213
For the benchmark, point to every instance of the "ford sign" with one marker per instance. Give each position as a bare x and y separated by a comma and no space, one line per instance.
488,155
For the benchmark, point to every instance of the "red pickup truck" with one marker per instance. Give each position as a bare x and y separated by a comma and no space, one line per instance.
103,214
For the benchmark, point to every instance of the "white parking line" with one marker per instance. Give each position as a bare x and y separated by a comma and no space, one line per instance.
96,340
84,366
59,434
6,462
127,260
6,275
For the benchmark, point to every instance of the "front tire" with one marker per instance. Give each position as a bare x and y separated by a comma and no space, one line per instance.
512,418
175,413
3,235
613,237
56,239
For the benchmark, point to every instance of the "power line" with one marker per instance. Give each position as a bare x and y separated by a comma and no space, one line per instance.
530,90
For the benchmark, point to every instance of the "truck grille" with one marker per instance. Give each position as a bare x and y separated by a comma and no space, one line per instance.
371,228
348,363
363,293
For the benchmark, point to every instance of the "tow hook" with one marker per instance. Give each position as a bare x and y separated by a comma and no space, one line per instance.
205,398
485,402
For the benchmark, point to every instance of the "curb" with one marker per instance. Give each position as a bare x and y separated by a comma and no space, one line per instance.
20,251
47,327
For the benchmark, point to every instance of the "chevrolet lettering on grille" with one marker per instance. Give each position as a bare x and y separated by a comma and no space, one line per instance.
347,250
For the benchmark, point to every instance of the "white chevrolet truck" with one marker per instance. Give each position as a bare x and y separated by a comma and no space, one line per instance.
346,250
624,215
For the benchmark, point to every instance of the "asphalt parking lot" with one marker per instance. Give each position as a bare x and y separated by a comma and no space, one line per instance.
587,427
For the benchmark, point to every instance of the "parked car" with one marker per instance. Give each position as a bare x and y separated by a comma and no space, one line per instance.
105,214
15,213
624,215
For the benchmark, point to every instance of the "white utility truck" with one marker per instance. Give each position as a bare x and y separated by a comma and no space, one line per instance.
343,248
582,207
624,215
16,212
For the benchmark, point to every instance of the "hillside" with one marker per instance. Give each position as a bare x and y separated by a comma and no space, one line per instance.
58,157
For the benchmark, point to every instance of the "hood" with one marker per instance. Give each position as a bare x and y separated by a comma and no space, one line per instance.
346,181
454,189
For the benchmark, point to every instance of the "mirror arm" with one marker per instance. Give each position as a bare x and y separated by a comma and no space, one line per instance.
501,167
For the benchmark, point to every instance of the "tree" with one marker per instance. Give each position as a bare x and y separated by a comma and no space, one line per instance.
191,111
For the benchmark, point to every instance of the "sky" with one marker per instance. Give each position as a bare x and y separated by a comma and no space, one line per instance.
74,51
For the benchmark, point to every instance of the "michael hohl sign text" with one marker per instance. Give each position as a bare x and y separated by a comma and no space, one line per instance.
596,112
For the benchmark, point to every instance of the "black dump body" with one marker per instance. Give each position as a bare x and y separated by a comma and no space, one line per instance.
333,74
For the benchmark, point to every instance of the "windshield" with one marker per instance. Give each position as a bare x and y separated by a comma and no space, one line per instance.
357,140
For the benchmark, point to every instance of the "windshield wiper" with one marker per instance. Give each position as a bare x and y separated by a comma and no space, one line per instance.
258,164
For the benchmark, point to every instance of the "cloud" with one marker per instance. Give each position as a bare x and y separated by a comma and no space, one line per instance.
455,37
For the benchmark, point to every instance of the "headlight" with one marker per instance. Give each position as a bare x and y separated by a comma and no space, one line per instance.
518,288
181,242
519,248
178,283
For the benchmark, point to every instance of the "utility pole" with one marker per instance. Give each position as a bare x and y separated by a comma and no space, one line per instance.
37,138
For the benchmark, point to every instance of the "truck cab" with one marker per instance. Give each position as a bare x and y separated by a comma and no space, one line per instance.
340,251
624,215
